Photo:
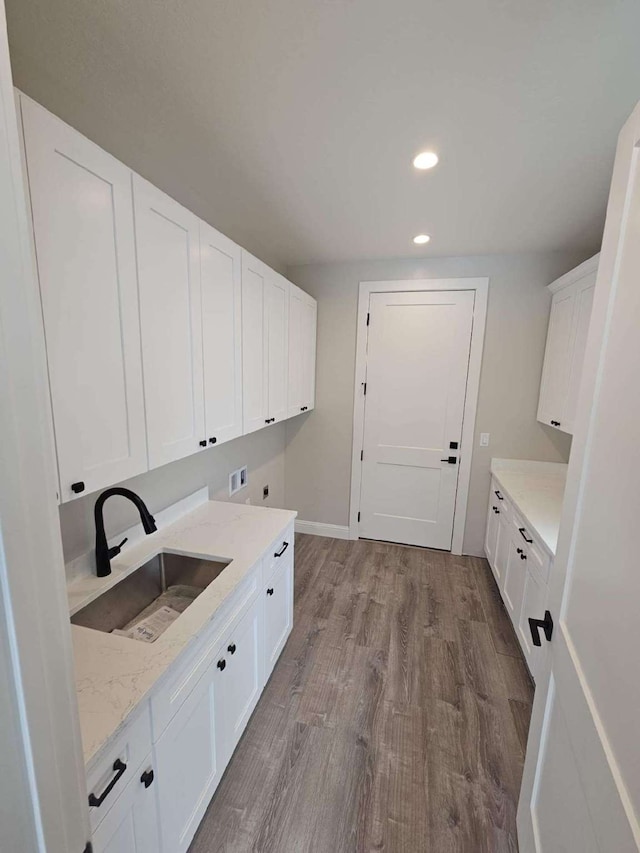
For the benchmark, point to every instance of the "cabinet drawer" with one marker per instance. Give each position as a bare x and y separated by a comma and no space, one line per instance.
189,668
538,560
129,749
500,500
283,546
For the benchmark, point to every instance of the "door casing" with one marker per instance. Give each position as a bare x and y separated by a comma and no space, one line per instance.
481,288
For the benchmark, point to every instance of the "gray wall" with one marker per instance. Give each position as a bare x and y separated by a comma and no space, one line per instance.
262,451
318,450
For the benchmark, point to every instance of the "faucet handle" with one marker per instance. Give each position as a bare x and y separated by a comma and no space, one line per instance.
113,552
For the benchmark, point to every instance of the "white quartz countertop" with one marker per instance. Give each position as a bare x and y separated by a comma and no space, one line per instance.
113,673
537,490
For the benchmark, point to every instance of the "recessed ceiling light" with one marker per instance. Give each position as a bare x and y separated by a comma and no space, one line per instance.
425,160
421,238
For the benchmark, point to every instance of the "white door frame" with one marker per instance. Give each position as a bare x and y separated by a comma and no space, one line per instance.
481,288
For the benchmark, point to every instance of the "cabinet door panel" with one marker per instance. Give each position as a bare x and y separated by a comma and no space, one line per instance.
278,613
221,276
167,241
296,390
555,374
254,343
131,824
309,312
514,579
188,767
534,604
84,241
277,307
240,682
582,316
491,535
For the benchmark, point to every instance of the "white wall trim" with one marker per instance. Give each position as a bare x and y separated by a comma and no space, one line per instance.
317,528
481,288
581,271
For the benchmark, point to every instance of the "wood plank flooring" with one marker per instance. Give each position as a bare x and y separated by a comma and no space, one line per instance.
395,720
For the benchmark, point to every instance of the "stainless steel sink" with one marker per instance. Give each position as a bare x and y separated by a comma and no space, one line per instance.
119,606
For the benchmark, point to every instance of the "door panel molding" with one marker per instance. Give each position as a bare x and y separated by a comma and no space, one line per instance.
481,288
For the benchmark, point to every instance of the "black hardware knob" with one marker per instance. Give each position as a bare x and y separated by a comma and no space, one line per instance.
496,510
77,487
213,439
221,664
523,556
232,649
270,591
203,443
147,777
519,550
119,767
450,459
547,626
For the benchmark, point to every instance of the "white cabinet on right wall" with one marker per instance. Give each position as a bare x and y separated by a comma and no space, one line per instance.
566,342
302,351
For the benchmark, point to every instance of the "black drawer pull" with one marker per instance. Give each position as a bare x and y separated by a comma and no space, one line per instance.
221,664
496,510
147,777
231,649
523,556
203,443
498,495
282,550
78,487
519,551
213,439
119,767
547,626
523,533
270,591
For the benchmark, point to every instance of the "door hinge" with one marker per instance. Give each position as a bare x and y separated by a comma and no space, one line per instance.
361,455
368,316
358,516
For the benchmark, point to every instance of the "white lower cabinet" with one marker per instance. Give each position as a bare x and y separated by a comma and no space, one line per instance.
131,824
278,612
196,717
520,566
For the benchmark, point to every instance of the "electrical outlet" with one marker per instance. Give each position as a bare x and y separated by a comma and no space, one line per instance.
484,439
238,479
265,492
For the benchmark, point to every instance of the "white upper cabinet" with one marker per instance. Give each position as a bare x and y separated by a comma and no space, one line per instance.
221,277
302,351
277,331
83,227
566,341
167,242
255,275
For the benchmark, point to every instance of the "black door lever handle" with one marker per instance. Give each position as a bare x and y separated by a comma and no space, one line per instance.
450,459
547,626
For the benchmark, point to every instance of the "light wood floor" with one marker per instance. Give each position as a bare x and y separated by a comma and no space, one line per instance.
395,720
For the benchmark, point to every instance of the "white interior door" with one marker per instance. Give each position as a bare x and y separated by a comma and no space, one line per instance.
168,246
417,364
221,277
581,786
83,228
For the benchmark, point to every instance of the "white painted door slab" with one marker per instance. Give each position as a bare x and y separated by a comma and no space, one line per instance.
417,364
221,279
167,241
83,226
581,785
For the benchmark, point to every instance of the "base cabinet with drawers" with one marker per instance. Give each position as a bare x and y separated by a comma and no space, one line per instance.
520,564
152,784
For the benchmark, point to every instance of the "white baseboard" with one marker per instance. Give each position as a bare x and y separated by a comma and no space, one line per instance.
317,528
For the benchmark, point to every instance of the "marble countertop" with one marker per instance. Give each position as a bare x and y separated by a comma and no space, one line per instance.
537,489
114,674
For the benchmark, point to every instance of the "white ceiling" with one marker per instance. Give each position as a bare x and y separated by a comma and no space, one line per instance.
291,124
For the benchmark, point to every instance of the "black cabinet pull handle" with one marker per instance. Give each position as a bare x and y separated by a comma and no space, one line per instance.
203,443
213,439
221,664
547,626
270,591
282,550
147,777
232,649
78,487
554,423
119,768
496,510
523,533
450,459
498,495
270,420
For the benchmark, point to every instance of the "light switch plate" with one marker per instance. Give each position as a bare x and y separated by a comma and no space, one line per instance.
484,439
